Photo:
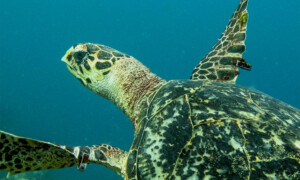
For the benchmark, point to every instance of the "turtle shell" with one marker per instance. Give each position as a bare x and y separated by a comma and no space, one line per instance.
202,130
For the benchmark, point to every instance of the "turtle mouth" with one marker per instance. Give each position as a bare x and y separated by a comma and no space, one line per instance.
67,58
75,59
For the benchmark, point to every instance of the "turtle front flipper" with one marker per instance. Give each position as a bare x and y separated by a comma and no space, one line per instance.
224,59
20,154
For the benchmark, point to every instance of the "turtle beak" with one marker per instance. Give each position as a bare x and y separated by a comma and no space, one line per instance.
68,56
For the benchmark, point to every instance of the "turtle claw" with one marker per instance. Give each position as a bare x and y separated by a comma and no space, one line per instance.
83,163
241,63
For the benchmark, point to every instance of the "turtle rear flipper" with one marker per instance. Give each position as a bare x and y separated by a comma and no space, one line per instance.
20,154
224,59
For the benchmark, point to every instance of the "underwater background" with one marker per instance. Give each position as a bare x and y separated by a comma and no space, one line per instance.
40,99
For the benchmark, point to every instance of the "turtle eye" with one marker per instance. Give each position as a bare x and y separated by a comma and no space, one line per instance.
80,56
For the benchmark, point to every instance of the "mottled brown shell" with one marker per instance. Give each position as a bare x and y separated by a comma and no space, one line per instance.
199,129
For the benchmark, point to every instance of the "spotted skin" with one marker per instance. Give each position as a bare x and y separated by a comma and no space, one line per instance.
224,59
202,130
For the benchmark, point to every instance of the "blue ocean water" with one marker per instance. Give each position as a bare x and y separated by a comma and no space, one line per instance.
40,99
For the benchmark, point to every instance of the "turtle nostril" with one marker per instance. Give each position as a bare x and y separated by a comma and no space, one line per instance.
80,56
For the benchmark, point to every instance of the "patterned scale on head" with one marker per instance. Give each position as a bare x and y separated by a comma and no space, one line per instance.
90,63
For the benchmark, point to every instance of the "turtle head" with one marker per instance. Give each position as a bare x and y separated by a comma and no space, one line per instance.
113,75
92,65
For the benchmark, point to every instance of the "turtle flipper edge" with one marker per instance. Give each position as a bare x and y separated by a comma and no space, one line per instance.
20,154
224,59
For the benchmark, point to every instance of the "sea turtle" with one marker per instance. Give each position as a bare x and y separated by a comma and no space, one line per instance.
203,128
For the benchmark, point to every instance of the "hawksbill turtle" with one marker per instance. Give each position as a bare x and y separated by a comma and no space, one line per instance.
203,128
